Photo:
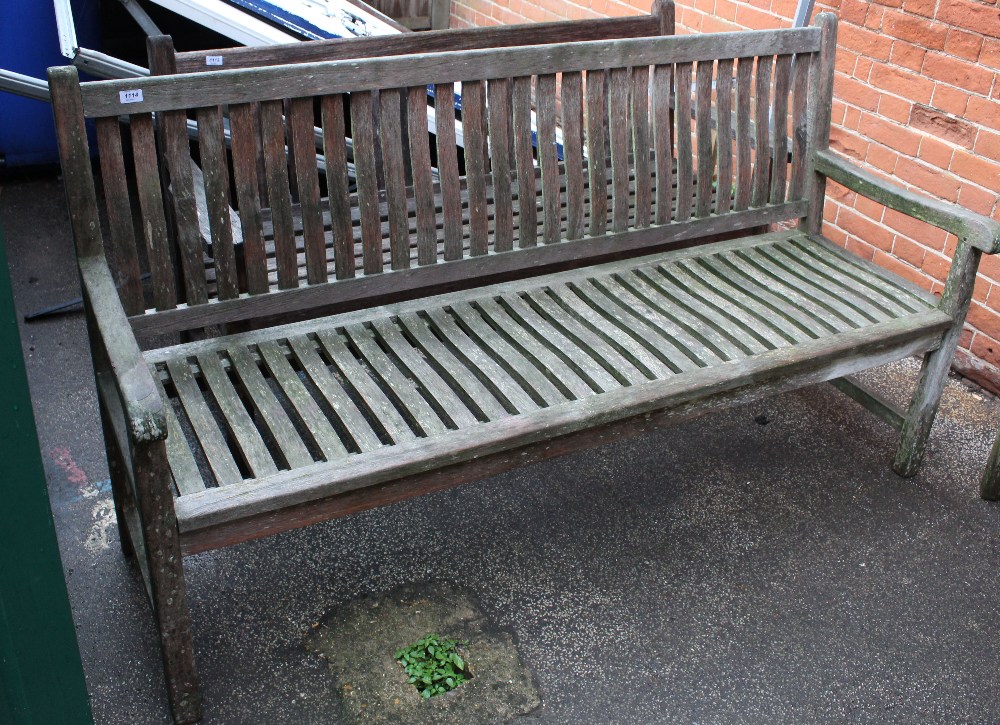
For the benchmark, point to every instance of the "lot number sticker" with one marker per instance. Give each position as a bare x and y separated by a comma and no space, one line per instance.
130,96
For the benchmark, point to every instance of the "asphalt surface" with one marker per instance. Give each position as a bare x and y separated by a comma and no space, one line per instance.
724,570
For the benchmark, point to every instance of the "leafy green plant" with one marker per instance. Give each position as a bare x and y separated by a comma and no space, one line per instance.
434,665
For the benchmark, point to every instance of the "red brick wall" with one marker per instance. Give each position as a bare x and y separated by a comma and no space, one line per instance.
917,98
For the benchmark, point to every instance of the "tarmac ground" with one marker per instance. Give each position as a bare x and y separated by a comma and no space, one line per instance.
759,565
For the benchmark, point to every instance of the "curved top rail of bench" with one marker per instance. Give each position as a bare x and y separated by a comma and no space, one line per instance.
194,90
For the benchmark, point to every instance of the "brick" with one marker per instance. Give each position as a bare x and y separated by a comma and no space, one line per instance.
902,269
864,228
881,158
915,30
864,42
756,20
894,108
845,61
855,92
971,15
963,44
934,152
988,145
852,117
874,19
986,349
901,83
909,251
854,11
960,73
936,265
837,112
920,7
976,199
928,179
863,68
981,171
871,209
990,55
949,128
890,134
784,8
984,319
950,100
858,248
907,55
834,234
848,144
922,232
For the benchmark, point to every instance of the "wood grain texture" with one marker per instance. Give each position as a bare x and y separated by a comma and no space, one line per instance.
724,134
276,168
121,252
762,121
524,160
703,112
779,128
597,149
663,141
572,126
391,140
246,151
363,134
215,171
420,169
447,155
641,143
337,182
744,163
548,156
619,131
473,122
685,151
498,91
301,123
407,44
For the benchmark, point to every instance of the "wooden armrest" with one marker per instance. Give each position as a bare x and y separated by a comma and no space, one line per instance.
140,398
981,232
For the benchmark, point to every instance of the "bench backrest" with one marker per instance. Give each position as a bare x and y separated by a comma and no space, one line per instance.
659,22
618,180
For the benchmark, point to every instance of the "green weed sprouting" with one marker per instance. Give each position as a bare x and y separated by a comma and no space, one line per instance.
433,665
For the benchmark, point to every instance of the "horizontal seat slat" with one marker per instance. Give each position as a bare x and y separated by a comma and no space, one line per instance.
442,368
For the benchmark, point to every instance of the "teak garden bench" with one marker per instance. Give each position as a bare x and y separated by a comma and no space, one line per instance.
455,350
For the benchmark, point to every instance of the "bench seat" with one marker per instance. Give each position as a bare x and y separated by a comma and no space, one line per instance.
284,416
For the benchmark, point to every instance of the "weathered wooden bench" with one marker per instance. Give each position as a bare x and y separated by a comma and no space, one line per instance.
471,356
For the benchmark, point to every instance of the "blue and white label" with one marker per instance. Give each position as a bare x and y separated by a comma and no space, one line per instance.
130,96
214,60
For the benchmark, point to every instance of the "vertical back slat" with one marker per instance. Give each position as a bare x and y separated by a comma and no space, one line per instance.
597,152
703,110
800,124
619,130
423,182
779,128
572,126
548,156
154,223
391,139
244,122
744,168
302,124
338,185
122,250
500,141
177,152
215,169
641,144
762,120
447,154
685,160
363,134
473,111
724,135
272,129
663,141
524,160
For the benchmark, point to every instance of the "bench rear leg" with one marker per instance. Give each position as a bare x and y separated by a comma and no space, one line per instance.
934,370
166,579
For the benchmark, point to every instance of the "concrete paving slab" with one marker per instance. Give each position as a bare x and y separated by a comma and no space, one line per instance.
722,570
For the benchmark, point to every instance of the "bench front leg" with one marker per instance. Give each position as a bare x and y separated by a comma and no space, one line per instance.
976,235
